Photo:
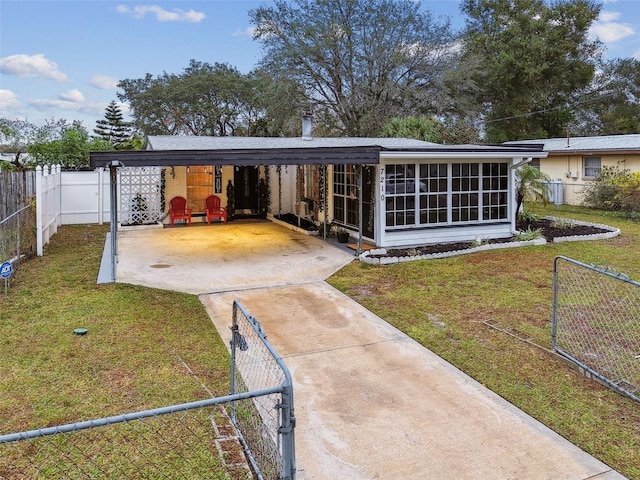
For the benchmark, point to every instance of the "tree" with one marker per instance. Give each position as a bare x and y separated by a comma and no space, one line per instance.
531,60
612,106
275,105
203,100
453,130
112,127
531,184
359,62
427,129
15,136
66,145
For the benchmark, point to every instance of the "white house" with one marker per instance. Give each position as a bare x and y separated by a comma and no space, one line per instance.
392,192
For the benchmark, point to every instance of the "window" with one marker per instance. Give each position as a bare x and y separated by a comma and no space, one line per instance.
344,194
591,167
433,193
445,194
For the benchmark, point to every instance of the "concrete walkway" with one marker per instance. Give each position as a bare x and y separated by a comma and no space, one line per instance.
370,402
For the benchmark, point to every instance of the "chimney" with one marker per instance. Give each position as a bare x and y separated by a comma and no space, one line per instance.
307,126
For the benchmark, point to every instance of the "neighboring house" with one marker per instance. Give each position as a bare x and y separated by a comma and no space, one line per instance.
576,161
413,192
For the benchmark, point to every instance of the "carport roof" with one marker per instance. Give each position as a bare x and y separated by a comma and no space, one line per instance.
167,150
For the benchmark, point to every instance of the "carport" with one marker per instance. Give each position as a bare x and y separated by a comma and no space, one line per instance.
361,154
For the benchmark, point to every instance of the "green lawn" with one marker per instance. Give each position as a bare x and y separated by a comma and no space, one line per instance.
140,339
145,348
443,304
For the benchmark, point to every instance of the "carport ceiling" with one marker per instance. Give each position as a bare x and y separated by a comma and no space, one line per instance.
248,157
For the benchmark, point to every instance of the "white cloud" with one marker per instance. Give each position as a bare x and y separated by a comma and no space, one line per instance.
609,31
636,55
162,15
45,104
606,16
31,66
74,95
104,82
247,32
8,100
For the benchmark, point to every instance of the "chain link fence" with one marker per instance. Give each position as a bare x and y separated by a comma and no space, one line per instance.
247,434
266,423
18,236
596,323
171,444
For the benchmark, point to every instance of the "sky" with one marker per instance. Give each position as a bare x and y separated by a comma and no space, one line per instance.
63,59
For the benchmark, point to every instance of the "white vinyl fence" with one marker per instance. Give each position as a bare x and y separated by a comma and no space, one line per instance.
47,204
68,198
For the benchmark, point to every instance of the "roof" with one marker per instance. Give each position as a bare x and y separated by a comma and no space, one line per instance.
601,144
253,151
184,142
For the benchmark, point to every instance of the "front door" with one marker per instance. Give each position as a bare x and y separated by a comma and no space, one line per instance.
245,181
345,197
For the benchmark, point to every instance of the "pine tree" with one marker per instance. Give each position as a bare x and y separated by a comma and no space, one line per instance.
113,128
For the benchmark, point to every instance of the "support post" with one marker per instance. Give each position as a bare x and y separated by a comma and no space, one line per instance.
360,209
113,175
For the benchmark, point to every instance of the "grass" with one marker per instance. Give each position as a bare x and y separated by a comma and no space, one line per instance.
140,339
444,304
145,348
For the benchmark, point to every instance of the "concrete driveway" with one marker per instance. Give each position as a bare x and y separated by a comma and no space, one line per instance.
370,402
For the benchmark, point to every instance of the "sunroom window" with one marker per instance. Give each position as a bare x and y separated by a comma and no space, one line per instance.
445,194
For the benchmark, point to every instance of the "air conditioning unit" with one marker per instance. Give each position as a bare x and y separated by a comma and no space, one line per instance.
302,209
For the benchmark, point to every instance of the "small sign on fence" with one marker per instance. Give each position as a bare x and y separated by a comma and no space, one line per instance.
6,269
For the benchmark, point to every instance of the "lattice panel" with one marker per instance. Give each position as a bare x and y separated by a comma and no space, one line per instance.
140,195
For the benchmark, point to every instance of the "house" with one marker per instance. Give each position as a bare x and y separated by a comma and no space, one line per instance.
576,161
391,192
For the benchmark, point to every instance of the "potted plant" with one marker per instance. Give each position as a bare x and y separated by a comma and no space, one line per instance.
342,234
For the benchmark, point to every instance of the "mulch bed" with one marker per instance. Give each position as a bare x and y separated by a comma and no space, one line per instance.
550,230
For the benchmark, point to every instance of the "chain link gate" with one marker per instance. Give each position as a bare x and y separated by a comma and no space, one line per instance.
179,441
596,323
266,424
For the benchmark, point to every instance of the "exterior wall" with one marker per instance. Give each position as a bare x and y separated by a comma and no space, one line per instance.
283,189
175,184
569,169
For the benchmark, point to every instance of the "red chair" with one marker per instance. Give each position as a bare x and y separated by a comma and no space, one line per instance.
179,210
214,210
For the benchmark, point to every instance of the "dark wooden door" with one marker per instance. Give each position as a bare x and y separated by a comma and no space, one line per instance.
245,181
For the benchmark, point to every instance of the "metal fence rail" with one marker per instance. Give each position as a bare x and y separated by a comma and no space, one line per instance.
596,323
180,441
265,424
169,442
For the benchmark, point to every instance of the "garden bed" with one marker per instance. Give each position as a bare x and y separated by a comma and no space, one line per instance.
551,230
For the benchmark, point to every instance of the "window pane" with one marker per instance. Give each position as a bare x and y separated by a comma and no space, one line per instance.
591,166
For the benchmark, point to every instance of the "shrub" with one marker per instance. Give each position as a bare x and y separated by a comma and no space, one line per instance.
628,196
605,192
